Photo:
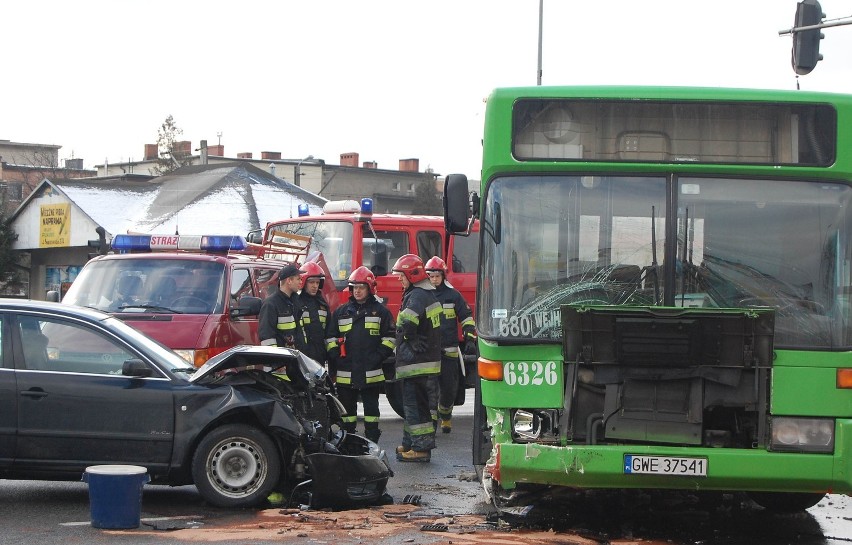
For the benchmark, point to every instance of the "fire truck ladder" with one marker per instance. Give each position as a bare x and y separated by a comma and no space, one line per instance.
284,246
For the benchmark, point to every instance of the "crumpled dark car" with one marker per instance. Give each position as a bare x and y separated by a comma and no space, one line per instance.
311,456
81,388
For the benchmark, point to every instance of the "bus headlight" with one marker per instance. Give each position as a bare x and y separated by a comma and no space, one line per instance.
802,434
526,425
540,425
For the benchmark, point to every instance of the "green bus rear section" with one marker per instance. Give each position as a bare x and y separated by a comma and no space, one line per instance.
802,383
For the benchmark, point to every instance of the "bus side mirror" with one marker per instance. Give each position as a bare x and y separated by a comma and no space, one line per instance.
456,204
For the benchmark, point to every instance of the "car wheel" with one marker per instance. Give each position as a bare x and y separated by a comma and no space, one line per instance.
236,466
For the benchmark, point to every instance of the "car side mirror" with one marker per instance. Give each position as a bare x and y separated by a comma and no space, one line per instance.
52,296
247,306
136,368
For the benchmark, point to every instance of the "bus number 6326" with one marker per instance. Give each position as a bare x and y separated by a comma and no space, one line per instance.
530,373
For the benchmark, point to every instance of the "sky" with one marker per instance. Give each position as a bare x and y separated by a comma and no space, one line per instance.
388,79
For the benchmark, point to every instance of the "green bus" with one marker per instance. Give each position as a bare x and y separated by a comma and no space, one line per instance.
663,297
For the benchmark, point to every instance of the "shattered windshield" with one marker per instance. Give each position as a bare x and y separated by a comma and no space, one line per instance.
618,240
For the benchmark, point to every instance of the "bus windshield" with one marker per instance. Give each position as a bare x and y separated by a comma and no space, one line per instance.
614,240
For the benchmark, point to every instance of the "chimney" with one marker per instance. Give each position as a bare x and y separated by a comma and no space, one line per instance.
183,148
349,159
370,164
244,155
271,155
151,152
409,165
218,150
74,164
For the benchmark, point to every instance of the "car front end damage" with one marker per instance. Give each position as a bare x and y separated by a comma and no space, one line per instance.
292,399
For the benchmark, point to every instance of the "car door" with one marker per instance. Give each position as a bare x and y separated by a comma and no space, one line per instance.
75,408
8,398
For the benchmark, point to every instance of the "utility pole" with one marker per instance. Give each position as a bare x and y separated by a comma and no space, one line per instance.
540,26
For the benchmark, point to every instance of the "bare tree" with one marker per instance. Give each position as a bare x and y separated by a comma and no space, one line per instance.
10,283
171,157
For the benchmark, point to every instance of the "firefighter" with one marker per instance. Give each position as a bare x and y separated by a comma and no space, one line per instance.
360,336
314,313
418,358
455,310
279,322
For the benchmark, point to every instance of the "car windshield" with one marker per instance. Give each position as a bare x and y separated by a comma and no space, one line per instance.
180,286
623,240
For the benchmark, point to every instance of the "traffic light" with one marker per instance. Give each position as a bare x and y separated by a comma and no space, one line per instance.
100,244
806,42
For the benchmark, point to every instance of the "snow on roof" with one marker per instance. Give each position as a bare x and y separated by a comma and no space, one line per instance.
231,198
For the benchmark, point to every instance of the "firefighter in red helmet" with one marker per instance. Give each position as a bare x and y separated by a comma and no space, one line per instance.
455,310
418,358
360,336
314,312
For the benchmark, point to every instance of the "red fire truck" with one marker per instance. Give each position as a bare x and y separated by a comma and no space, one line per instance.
349,235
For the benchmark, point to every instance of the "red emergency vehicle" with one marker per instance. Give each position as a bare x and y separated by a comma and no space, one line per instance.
349,235
198,295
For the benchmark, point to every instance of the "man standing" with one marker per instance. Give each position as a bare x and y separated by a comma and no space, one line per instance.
455,310
314,313
360,337
279,319
418,358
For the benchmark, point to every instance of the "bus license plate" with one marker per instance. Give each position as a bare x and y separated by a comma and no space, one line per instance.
665,465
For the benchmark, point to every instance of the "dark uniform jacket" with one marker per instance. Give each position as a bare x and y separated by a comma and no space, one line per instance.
314,320
454,310
418,332
359,338
279,323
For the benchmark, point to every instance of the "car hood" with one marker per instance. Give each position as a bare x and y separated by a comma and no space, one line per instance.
293,363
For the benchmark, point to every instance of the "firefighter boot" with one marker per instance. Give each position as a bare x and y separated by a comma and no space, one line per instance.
446,426
414,456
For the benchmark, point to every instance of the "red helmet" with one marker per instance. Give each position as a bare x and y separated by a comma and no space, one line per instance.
312,270
363,275
411,266
436,264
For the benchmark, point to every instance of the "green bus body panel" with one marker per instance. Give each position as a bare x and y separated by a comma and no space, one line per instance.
497,144
601,466
543,395
809,391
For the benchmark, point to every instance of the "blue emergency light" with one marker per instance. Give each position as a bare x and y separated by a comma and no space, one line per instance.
205,243
303,210
366,206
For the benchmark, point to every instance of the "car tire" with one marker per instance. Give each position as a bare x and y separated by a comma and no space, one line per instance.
236,465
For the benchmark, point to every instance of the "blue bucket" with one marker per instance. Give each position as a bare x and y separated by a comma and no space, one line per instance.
115,495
